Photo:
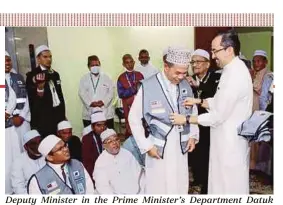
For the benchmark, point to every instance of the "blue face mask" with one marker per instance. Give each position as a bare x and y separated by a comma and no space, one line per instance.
95,69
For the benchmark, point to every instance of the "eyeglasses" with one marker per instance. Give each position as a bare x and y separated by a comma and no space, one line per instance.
197,62
110,141
216,51
61,148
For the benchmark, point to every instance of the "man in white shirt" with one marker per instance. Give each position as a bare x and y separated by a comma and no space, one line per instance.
28,163
60,175
116,170
167,146
145,67
96,90
231,105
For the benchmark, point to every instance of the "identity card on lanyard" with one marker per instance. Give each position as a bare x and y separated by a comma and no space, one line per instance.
94,87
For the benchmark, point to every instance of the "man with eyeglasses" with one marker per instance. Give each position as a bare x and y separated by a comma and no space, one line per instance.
231,105
61,175
91,142
204,83
65,132
116,170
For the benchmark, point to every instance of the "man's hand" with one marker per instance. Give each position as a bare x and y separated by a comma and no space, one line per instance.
100,103
177,119
40,80
7,115
153,153
94,104
17,121
191,101
191,144
193,120
191,81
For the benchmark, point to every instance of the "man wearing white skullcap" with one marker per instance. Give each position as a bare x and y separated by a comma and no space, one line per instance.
12,139
167,146
260,74
47,105
116,169
145,66
204,83
96,89
91,142
65,132
20,116
60,175
228,108
28,163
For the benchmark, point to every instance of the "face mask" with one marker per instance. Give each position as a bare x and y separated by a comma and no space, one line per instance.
95,69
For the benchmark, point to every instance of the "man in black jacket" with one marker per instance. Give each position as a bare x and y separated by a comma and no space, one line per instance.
204,83
47,105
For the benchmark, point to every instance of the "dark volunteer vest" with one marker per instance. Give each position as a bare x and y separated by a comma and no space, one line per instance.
156,111
19,86
50,183
8,123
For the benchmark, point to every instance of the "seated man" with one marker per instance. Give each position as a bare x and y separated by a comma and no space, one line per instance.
64,131
28,163
61,175
116,170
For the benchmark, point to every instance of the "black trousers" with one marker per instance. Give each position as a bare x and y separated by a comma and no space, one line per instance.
109,123
199,159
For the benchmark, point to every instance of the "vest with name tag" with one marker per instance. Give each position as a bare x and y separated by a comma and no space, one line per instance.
19,86
157,109
50,183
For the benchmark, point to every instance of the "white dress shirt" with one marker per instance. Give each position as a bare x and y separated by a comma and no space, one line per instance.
34,188
118,174
22,169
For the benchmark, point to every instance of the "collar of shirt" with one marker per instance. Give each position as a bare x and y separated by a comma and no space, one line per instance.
57,168
201,79
7,77
42,68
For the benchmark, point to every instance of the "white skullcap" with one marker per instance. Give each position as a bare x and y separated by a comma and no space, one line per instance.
107,133
179,56
87,130
30,135
201,52
41,48
64,125
97,115
7,54
47,144
260,53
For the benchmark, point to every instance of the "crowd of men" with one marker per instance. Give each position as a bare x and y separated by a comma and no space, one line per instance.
173,120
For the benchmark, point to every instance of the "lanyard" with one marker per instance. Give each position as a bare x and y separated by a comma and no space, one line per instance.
128,79
175,108
94,87
96,144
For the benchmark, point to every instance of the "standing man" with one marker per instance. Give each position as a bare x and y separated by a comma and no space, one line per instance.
61,175
145,67
28,163
65,132
91,142
166,164
204,83
21,114
96,90
45,94
231,105
128,85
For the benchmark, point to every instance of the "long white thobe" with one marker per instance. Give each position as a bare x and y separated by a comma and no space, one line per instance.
169,175
118,174
23,168
229,152
146,70
12,147
104,91
34,188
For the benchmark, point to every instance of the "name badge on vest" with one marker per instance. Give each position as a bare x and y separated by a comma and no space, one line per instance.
52,185
20,82
81,188
180,128
157,107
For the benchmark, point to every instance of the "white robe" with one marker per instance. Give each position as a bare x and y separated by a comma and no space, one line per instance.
169,175
23,168
34,188
229,152
104,92
118,174
147,71
12,147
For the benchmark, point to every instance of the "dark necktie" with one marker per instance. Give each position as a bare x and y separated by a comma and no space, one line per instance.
63,173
